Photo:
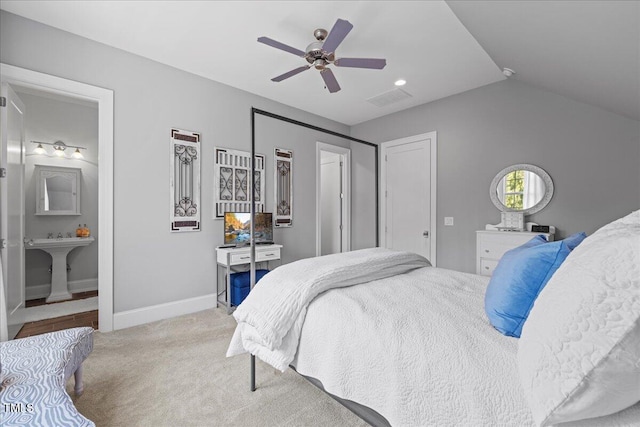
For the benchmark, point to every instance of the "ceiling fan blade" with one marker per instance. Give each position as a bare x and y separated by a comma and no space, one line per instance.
339,31
374,63
290,73
281,46
330,80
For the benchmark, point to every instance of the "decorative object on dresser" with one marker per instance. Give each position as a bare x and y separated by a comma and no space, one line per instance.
231,181
185,181
283,191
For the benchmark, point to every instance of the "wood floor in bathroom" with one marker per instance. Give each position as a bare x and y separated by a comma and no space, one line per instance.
89,318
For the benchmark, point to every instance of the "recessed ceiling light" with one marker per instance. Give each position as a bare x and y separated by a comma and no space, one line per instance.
400,82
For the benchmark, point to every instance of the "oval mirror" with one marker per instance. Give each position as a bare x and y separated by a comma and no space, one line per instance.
521,188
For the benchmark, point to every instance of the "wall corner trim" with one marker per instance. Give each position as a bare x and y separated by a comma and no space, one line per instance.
141,316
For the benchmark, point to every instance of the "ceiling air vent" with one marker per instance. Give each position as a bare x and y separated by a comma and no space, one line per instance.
388,98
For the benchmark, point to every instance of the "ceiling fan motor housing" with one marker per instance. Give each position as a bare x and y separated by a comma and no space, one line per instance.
320,34
315,53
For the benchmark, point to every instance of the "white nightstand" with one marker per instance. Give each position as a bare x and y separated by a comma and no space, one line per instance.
230,257
491,245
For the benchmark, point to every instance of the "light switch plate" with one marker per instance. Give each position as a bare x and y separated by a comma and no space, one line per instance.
448,220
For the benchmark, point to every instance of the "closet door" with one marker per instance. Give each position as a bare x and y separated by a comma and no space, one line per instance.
408,196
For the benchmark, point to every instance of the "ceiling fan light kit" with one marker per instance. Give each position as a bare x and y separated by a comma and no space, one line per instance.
321,53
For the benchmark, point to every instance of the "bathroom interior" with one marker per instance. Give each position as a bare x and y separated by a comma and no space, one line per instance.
60,211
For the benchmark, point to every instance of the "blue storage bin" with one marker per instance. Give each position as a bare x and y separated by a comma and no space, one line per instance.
240,285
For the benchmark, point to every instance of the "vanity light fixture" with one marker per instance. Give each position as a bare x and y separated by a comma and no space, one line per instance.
77,154
40,150
58,149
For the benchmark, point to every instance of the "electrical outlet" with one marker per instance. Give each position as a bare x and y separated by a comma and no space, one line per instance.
448,220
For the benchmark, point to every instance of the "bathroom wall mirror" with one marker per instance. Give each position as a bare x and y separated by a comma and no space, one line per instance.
521,188
57,190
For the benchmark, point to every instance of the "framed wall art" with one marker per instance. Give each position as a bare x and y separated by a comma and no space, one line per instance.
283,191
231,175
185,181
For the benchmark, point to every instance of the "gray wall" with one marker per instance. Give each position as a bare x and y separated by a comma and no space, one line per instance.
271,133
50,120
152,265
363,196
593,157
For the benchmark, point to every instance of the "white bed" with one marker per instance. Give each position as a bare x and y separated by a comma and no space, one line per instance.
415,347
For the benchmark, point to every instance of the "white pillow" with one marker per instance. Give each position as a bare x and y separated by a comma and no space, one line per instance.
579,353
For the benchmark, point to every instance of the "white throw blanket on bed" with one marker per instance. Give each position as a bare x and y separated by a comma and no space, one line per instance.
271,317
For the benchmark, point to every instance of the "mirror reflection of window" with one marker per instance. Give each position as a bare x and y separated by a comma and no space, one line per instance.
514,190
520,189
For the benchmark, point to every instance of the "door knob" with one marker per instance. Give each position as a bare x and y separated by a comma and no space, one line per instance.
425,234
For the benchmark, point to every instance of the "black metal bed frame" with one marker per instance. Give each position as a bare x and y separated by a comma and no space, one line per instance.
252,274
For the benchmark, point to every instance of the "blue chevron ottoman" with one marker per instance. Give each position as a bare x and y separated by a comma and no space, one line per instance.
33,375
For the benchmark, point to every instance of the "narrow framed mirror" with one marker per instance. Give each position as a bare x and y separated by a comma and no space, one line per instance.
521,188
57,190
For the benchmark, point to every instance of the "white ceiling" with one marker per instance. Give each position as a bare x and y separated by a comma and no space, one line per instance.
423,42
586,50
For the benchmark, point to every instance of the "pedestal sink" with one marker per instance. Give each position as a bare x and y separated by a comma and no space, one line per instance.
58,249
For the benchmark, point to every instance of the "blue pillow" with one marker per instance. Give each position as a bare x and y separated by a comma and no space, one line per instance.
575,239
518,279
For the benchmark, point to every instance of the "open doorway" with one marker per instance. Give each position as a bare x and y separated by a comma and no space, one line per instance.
60,203
30,83
333,199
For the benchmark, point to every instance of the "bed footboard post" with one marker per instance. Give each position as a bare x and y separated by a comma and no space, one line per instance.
253,373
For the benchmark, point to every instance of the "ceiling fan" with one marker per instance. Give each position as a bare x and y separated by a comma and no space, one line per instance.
321,53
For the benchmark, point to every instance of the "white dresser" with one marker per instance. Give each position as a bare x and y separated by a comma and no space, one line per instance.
491,245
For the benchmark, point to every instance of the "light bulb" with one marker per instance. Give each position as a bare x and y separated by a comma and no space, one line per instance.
400,82
39,150
59,152
77,154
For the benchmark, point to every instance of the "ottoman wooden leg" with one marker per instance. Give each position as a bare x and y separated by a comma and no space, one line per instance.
79,386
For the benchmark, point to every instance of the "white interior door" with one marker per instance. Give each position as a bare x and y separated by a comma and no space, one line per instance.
333,199
331,203
408,186
12,207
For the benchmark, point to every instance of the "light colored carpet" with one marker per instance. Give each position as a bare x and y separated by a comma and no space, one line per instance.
49,311
174,373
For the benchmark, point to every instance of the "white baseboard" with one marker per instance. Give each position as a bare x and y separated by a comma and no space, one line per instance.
140,316
74,286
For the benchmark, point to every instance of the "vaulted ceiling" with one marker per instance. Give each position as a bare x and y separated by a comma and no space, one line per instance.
585,50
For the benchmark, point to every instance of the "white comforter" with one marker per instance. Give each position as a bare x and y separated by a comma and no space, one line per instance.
271,317
417,348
